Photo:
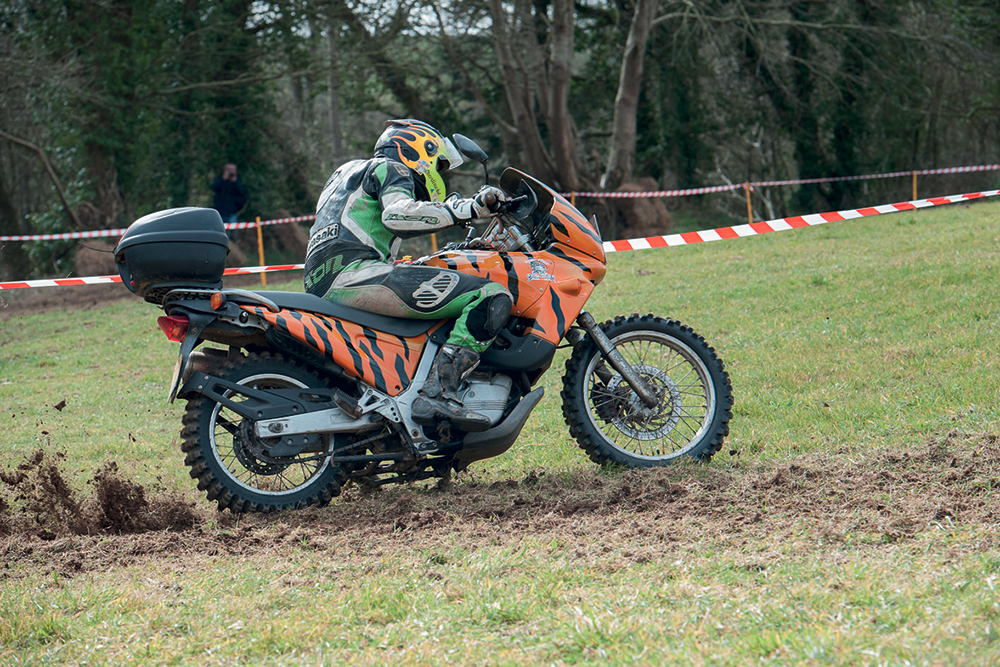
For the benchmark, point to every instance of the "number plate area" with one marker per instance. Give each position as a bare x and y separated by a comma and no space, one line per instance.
175,380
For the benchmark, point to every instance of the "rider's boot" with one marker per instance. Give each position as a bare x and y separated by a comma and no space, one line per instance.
438,398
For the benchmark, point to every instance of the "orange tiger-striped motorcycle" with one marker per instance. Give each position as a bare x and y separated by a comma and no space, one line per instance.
298,395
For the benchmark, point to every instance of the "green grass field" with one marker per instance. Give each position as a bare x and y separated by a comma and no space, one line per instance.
850,518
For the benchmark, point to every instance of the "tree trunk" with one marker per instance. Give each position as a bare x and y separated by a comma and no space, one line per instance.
52,174
333,83
508,133
14,264
517,87
179,158
558,119
377,47
623,137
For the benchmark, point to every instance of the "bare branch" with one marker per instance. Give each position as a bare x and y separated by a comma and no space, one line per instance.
229,83
48,167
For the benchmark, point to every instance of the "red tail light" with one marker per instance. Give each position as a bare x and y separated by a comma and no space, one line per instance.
174,327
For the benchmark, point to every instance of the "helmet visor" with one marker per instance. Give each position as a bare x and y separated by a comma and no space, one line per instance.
449,158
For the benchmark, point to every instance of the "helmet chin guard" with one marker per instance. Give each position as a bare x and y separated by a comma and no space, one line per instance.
423,149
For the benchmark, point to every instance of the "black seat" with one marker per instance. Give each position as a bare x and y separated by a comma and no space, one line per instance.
310,302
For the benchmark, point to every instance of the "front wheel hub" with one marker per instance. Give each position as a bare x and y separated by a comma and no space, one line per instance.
634,418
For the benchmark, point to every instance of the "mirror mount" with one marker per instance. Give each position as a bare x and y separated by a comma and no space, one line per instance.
473,151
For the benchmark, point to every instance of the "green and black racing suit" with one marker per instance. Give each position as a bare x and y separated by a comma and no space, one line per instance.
365,210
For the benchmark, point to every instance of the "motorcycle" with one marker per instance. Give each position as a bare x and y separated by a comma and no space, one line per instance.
302,396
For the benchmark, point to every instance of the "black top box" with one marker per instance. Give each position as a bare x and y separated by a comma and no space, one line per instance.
173,248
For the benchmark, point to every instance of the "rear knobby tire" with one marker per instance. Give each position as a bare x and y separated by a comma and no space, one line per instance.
610,422
219,452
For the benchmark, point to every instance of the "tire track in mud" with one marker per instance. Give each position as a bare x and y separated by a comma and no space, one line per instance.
890,496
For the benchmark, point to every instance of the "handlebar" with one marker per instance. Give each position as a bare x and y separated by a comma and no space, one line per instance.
512,203
506,206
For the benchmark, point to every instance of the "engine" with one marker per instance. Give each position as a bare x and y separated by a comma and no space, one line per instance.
486,395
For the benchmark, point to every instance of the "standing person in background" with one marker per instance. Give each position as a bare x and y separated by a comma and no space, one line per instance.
230,196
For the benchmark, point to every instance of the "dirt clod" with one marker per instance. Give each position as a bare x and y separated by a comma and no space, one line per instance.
36,499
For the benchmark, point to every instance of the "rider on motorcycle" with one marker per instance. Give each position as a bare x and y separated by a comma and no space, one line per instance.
366,208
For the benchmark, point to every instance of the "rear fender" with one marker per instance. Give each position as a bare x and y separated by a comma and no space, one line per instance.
197,323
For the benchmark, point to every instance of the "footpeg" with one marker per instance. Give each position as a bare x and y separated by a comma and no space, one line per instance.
347,404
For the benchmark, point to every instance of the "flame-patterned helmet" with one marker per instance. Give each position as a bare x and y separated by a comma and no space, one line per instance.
421,148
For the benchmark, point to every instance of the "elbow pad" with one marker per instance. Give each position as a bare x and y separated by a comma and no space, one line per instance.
407,217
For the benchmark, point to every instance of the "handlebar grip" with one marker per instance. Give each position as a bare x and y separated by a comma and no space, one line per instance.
489,199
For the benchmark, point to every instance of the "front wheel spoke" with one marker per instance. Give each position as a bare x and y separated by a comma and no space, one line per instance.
638,444
694,386
609,396
685,413
683,379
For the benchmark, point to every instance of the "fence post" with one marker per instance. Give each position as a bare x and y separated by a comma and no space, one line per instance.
914,186
434,242
260,252
746,187
572,199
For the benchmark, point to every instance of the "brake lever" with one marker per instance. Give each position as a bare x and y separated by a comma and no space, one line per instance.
512,203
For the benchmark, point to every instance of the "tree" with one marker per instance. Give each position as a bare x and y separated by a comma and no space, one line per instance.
623,136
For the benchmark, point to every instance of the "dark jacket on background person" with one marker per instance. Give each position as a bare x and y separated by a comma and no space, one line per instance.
230,196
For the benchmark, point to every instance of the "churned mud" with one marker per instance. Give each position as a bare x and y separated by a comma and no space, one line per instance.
36,502
888,496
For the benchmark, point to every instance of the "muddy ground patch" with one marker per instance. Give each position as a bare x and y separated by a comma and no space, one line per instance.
888,496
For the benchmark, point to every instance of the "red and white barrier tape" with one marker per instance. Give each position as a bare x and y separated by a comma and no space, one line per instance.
894,174
118,232
99,233
264,269
782,224
265,223
104,280
65,235
704,236
800,181
655,193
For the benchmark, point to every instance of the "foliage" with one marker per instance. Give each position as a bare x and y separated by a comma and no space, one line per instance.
138,104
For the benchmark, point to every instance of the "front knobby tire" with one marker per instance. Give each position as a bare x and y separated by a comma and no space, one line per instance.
223,453
610,422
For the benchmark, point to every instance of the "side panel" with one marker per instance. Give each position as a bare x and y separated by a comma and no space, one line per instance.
550,287
380,360
558,308
508,271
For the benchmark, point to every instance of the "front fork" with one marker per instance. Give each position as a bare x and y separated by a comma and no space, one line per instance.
613,357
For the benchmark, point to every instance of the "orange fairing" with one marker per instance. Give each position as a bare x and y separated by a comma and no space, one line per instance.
381,360
574,235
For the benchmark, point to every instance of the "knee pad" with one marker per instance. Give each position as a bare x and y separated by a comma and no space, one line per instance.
489,316
498,310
